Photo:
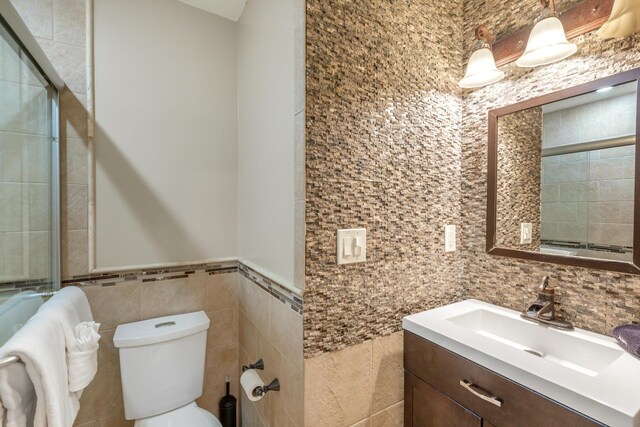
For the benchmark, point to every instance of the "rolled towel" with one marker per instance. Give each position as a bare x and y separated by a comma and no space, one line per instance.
628,336
82,360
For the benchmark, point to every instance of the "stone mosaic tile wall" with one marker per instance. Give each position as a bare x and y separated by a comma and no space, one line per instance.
596,300
383,152
519,170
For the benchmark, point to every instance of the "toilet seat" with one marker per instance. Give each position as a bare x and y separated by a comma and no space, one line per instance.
190,415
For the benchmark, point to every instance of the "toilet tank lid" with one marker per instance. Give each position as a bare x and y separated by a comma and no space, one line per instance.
162,329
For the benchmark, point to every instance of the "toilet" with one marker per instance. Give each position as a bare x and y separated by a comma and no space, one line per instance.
162,369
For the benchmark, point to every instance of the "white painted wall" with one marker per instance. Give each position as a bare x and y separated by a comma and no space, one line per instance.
266,138
166,116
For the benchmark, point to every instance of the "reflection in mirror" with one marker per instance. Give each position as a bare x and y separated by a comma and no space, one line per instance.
565,176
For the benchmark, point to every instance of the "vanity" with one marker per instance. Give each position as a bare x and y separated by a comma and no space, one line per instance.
476,364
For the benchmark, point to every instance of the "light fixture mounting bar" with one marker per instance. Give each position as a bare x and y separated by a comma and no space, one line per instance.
580,19
482,33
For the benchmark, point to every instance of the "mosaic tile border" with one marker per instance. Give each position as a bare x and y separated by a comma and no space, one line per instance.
146,275
294,301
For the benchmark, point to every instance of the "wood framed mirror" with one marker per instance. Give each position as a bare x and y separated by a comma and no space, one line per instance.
562,176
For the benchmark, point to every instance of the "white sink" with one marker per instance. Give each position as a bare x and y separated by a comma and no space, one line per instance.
585,371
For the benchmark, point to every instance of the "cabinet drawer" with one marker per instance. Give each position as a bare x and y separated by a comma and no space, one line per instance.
427,407
494,398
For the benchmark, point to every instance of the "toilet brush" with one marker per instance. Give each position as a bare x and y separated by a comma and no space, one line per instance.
228,407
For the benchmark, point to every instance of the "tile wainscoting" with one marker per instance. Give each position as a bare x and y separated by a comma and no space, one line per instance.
230,293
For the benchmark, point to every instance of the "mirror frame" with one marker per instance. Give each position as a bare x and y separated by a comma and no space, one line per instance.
492,179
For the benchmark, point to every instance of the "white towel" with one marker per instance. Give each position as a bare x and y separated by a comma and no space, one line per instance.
17,396
83,359
40,344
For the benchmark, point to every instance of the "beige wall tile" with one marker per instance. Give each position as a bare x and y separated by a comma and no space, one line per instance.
248,336
292,392
387,376
250,416
69,22
337,387
390,417
69,62
221,291
285,331
169,297
75,258
73,116
223,329
364,423
114,305
108,357
257,307
74,215
75,162
102,398
221,362
37,15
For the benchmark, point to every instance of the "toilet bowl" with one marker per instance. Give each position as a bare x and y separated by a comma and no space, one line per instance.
189,415
162,370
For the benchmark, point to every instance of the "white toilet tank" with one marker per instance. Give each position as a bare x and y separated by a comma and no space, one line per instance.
161,363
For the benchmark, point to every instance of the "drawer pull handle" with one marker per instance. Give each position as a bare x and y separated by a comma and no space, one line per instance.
481,393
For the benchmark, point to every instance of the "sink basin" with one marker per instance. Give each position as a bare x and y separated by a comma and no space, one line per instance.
584,356
582,370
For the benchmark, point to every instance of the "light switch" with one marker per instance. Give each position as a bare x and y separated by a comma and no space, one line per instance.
449,238
352,246
526,232
347,246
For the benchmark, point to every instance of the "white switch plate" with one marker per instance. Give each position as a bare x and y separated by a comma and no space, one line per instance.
449,238
526,230
352,246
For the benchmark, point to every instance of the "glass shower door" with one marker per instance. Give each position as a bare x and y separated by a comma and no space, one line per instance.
29,206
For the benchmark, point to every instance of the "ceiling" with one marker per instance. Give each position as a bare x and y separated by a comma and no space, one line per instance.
230,9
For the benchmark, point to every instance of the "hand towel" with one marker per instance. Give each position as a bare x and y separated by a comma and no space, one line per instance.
41,345
16,311
83,359
17,396
628,336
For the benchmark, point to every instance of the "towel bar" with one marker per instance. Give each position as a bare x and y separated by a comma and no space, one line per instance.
6,361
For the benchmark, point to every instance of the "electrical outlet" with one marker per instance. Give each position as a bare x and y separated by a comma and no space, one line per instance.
449,238
526,232
352,246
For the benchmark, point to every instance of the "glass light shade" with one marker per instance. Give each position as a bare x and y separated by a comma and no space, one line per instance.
547,43
624,20
481,70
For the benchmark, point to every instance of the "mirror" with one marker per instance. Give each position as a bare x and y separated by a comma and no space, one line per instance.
561,176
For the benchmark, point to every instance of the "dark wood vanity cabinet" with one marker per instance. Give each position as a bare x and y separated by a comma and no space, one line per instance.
443,389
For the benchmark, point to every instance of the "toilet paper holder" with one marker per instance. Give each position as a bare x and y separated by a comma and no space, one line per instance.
272,386
262,390
258,365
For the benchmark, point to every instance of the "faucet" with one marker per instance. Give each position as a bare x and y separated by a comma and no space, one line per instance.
543,310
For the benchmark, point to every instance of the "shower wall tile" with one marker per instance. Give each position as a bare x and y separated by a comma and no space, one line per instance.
37,15
69,61
69,22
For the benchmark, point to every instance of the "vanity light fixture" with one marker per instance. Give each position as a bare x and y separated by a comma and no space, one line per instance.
604,89
547,42
624,20
481,69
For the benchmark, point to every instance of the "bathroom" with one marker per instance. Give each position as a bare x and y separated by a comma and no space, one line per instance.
358,225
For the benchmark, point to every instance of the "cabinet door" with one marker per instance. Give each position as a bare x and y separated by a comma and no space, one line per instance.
427,407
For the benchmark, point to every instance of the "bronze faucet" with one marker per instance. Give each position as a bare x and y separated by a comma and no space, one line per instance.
543,310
